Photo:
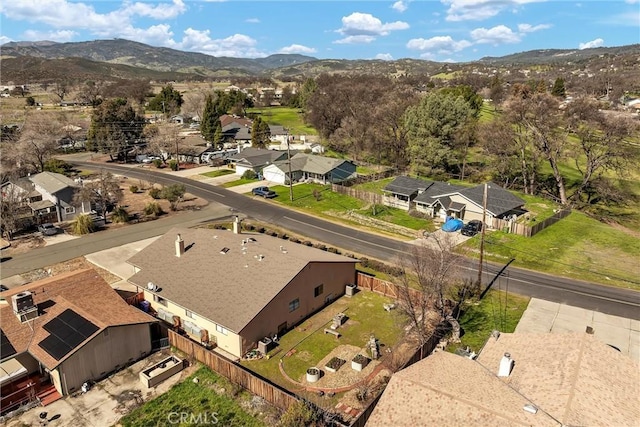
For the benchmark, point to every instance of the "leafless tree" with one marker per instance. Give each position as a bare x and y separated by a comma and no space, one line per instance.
38,140
163,137
101,191
13,207
429,274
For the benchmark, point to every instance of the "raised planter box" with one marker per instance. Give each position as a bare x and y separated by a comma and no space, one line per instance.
359,362
313,375
162,370
334,364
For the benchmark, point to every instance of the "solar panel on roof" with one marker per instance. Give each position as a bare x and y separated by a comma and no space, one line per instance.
67,331
6,348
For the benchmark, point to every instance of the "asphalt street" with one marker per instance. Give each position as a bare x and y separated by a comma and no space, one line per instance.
610,300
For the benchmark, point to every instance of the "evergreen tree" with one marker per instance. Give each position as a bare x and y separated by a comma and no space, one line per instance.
558,88
260,133
168,101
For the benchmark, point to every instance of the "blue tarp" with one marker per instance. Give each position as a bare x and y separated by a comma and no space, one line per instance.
452,225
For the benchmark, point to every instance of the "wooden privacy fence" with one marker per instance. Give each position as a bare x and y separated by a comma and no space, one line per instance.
367,196
525,230
383,287
235,373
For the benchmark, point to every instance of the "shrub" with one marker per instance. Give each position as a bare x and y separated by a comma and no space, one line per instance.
120,215
153,208
249,174
157,163
155,193
173,165
83,224
173,193
134,189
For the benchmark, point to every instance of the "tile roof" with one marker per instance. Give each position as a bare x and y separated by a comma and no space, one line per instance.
406,185
84,292
229,289
52,182
572,379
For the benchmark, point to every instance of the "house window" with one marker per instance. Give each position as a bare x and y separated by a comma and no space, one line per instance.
293,305
160,300
318,290
189,314
222,330
70,210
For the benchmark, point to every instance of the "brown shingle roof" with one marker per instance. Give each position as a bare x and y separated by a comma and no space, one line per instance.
447,389
229,289
84,292
572,378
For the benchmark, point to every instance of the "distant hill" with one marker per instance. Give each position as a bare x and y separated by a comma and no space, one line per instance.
118,58
552,56
126,52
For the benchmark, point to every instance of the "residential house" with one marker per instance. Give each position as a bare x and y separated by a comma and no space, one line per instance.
518,379
229,289
255,159
57,202
278,134
236,136
62,331
441,200
311,167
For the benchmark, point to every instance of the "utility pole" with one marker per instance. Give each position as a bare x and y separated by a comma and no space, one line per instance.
484,226
290,177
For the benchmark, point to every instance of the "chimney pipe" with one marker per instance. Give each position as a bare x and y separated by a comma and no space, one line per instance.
236,225
179,246
506,365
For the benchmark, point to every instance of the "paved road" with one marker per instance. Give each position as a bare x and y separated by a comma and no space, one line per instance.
616,301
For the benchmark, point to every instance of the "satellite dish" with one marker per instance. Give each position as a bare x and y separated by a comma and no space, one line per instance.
152,286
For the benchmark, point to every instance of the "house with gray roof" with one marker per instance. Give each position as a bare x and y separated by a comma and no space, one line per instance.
57,203
255,159
441,199
529,379
310,167
230,289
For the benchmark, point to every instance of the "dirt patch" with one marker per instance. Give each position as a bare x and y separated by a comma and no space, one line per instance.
75,264
624,229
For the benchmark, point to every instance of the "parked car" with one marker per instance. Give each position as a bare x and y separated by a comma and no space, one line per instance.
47,229
472,228
264,192
150,159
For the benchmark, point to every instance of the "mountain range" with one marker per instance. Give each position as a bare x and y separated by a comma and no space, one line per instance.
121,58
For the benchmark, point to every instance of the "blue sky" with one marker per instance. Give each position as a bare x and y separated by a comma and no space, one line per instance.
439,30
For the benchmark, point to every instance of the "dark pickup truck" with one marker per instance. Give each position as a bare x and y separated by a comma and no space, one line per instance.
263,192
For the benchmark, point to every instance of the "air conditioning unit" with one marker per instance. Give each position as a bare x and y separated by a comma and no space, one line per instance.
22,301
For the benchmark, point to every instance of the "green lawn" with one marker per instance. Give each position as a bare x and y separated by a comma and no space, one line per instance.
538,207
290,118
217,173
398,217
375,186
237,182
323,202
365,316
577,246
498,310
202,399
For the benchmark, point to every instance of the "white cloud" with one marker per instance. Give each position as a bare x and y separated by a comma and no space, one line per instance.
297,48
252,20
439,44
631,1
237,45
496,35
5,39
56,36
400,5
364,28
528,28
160,11
384,56
355,40
157,35
593,43
477,10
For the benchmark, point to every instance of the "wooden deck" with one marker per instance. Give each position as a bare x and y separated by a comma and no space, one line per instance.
26,389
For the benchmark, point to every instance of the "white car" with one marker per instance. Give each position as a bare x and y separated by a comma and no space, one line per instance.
150,159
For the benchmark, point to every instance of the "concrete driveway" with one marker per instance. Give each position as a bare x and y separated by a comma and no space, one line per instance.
545,316
106,402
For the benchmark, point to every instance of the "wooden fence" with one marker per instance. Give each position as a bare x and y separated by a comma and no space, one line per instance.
525,230
235,373
383,287
366,196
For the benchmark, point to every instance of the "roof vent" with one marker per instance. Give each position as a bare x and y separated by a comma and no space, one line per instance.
179,246
530,408
152,286
224,250
506,365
